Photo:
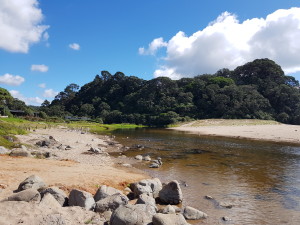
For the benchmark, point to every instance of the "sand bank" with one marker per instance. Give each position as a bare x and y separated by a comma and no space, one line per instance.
263,132
67,169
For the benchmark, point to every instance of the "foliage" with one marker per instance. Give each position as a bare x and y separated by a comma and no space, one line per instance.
256,90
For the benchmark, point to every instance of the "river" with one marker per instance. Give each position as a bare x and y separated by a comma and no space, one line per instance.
261,181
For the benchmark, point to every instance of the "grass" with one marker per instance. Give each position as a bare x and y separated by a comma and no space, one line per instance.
231,122
14,126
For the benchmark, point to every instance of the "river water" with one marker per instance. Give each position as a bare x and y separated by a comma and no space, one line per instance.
260,180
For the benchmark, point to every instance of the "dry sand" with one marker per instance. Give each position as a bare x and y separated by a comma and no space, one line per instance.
263,132
70,168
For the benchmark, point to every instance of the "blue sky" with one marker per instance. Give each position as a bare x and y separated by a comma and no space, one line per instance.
47,44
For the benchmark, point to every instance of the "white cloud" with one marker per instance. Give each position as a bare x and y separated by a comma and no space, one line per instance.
42,85
20,24
228,43
50,93
40,68
28,101
153,47
12,80
74,46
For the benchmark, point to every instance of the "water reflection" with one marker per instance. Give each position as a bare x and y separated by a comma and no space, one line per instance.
261,180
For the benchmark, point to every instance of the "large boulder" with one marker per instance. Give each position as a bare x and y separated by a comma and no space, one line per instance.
82,199
105,191
145,199
110,203
150,187
20,152
29,195
169,210
171,193
191,213
49,201
168,219
140,214
58,194
34,182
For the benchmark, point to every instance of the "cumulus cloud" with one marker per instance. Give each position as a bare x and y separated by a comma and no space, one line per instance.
228,43
40,68
42,85
20,25
12,80
50,93
27,100
74,46
153,47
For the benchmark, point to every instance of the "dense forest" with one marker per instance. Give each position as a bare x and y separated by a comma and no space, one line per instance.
258,90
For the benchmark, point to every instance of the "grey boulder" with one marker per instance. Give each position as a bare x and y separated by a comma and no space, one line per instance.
28,195
34,182
58,194
105,191
171,193
169,210
82,199
110,203
191,213
4,150
145,199
150,187
168,219
20,152
49,201
139,214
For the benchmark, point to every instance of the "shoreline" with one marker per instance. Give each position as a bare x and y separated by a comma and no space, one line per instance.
276,133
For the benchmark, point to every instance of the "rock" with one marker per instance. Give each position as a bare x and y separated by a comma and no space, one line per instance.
145,199
147,158
139,214
171,193
138,157
41,154
24,147
110,203
20,152
48,200
81,198
156,163
209,197
227,205
34,182
68,147
37,214
95,150
126,165
225,218
168,219
28,195
191,213
44,143
150,187
169,210
105,191
58,194
4,150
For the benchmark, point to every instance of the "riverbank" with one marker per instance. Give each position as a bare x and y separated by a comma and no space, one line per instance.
70,164
244,129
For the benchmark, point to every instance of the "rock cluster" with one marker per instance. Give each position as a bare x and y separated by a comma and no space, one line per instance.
108,205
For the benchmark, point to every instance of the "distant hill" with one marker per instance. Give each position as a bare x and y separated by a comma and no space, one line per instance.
257,90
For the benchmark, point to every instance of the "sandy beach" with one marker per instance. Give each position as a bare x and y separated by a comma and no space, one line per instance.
245,130
67,169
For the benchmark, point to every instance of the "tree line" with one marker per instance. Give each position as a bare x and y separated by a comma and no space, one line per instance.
256,90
